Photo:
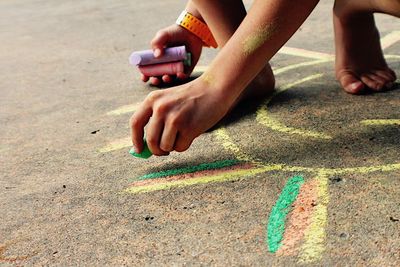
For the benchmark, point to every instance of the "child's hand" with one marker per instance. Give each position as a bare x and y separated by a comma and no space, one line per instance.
172,36
176,116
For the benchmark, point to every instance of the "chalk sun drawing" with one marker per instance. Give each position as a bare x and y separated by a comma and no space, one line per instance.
302,225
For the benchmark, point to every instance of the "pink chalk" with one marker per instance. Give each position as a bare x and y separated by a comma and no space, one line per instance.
171,68
146,57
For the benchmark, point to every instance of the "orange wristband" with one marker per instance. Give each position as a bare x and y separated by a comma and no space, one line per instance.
197,27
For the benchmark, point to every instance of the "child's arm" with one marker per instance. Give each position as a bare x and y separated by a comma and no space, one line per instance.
266,28
176,116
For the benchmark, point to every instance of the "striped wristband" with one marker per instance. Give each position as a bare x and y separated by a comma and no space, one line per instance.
197,27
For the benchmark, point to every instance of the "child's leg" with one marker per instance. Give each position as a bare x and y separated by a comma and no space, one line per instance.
223,23
359,57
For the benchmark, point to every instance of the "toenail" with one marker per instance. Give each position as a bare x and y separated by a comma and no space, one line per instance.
355,85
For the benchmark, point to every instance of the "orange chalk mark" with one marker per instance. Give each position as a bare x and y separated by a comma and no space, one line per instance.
299,219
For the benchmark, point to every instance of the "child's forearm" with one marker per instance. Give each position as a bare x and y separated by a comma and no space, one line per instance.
191,8
267,27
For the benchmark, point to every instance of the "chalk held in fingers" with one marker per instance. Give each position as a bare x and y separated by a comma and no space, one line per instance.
146,153
146,57
162,69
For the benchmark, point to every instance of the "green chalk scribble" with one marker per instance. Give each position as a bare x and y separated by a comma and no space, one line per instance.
190,169
277,218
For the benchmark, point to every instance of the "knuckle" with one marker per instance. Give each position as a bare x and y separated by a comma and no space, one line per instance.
151,141
160,109
152,96
175,122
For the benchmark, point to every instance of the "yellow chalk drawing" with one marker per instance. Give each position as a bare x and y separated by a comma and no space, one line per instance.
265,119
392,57
275,125
381,122
227,176
315,235
116,145
228,144
390,39
257,39
291,85
124,109
278,71
305,53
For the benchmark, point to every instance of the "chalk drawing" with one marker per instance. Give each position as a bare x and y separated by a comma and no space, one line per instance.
124,109
116,145
390,39
277,218
381,122
299,218
308,218
223,176
12,259
315,234
305,53
265,119
228,144
298,65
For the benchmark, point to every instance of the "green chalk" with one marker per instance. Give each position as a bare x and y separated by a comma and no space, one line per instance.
146,153
188,60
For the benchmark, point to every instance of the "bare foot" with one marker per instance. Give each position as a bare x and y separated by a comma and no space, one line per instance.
360,63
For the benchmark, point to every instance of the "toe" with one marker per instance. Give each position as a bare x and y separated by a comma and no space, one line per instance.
381,82
372,81
388,78
393,74
350,83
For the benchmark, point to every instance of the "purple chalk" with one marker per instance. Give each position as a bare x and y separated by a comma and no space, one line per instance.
146,57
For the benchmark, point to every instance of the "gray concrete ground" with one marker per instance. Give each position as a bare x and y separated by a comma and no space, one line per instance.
63,188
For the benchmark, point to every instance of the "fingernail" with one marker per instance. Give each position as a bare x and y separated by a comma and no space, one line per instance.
157,52
134,149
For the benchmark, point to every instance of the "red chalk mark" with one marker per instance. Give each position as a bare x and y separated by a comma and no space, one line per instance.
191,175
300,218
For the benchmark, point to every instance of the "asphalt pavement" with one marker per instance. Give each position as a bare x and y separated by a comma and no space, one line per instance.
310,176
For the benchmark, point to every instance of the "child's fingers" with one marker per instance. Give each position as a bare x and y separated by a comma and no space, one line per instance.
137,122
167,78
153,135
155,81
145,78
159,42
182,143
168,137
181,75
